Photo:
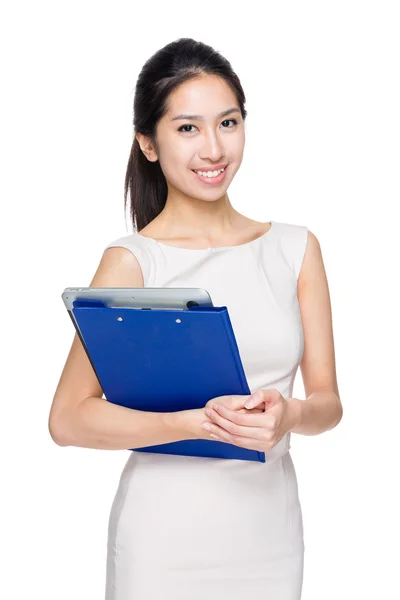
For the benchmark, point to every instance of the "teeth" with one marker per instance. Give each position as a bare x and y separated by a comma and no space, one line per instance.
210,173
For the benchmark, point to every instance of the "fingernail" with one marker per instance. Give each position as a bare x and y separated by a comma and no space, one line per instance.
206,426
251,402
208,412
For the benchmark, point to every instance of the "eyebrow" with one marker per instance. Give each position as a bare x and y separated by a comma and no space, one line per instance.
225,113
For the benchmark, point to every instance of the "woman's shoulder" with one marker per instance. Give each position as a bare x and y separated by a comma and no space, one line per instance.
292,239
136,245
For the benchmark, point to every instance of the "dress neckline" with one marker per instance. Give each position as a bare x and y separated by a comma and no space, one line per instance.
218,249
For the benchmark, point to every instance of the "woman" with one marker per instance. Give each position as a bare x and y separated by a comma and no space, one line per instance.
182,527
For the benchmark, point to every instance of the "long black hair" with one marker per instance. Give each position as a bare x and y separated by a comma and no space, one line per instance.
161,74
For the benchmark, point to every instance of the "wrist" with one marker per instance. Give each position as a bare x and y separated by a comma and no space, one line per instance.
187,423
295,410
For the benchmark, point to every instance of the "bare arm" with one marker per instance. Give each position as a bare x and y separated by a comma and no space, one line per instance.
79,416
97,423
319,412
322,410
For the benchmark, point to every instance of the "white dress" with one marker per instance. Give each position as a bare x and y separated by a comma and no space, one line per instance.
191,528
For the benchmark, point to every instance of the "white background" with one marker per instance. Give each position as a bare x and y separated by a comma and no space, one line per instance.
322,150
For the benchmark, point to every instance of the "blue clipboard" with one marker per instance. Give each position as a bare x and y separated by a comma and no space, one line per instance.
165,360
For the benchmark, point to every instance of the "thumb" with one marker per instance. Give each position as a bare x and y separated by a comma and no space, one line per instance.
269,397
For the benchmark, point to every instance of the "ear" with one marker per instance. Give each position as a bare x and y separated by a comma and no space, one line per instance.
147,147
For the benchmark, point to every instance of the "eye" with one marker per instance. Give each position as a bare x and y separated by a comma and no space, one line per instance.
234,121
227,121
181,128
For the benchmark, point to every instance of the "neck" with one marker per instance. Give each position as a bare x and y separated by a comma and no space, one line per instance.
184,217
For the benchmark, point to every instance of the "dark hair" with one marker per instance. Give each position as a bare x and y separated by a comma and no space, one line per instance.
162,73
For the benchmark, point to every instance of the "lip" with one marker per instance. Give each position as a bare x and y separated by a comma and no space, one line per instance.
211,181
210,168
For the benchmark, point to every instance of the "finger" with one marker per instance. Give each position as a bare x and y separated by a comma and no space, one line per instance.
245,419
247,411
239,407
242,411
255,400
269,396
219,434
233,428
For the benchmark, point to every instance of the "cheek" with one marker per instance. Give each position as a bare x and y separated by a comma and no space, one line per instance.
175,159
238,146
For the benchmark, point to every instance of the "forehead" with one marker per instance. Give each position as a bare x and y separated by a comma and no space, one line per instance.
205,95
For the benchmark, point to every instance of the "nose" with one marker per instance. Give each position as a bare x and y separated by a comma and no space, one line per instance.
212,148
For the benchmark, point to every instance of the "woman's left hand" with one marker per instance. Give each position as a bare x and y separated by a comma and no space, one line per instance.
260,431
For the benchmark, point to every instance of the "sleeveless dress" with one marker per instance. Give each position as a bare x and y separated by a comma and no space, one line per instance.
190,528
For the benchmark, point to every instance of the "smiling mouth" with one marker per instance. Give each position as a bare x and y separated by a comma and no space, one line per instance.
213,181
199,171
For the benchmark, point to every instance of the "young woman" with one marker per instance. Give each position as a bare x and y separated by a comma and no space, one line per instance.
183,527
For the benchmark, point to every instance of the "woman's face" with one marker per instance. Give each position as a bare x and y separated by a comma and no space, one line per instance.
185,144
